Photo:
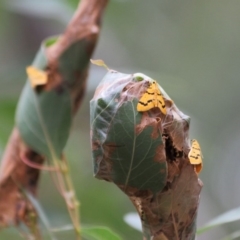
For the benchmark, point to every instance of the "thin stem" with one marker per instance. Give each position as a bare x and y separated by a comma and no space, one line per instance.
65,185
25,160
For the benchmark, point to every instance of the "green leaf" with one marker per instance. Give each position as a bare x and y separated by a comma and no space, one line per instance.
122,144
227,217
99,233
44,118
74,61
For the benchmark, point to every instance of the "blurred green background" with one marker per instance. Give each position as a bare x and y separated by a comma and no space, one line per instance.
191,47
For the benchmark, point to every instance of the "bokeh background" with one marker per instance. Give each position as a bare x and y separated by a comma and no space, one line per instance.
191,47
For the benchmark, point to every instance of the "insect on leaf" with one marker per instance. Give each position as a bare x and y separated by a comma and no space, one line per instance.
121,139
100,63
39,120
195,156
36,76
152,98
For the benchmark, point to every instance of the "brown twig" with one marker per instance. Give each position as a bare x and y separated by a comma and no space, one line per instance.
84,25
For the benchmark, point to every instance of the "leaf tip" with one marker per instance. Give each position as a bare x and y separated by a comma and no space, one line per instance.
100,63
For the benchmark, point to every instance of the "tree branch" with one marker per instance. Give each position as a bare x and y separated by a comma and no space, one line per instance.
14,174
